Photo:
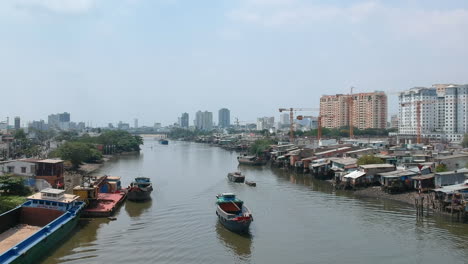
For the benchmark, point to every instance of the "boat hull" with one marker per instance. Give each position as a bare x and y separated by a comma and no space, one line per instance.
139,195
228,221
236,178
252,162
43,242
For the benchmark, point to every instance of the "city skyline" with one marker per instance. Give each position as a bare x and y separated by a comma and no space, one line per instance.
109,61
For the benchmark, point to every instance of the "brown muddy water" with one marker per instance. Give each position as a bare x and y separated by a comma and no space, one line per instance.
296,219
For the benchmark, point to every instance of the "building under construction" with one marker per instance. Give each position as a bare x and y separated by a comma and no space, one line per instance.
360,110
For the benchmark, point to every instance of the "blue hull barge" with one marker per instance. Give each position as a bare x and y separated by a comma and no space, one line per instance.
37,227
232,213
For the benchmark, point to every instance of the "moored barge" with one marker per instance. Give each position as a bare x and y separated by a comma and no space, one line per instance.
32,230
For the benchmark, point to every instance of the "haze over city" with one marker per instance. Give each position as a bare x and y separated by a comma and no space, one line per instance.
106,61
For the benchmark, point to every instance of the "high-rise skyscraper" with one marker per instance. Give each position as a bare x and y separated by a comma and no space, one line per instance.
224,118
135,123
204,120
368,110
17,123
184,121
441,111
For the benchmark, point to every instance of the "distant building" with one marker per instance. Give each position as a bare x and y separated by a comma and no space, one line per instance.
442,111
368,110
110,125
157,125
17,123
38,125
265,123
224,118
123,126
204,120
394,121
284,119
135,123
184,121
59,121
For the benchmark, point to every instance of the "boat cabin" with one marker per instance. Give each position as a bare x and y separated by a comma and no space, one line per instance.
50,198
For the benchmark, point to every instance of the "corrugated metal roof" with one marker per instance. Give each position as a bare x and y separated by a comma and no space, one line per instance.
375,166
355,174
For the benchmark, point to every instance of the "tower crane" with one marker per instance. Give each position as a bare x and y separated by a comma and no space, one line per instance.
291,119
350,113
418,115
319,123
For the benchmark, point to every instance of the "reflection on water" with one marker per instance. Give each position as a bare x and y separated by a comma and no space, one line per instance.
239,244
135,209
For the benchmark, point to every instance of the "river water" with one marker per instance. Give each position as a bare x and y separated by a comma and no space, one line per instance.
296,219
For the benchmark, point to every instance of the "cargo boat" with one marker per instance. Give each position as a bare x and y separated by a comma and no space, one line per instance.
232,213
103,196
140,189
35,228
251,160
236,176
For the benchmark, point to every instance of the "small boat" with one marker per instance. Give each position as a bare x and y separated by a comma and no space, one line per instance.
140,189
236,177
38,226
164,141
232,213
251,160
251,183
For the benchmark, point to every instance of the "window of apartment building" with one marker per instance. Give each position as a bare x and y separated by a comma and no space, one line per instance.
11,169
23,169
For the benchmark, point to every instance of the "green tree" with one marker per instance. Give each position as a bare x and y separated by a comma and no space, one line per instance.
13,185
441,168
260,145
465,141
369,159
77,153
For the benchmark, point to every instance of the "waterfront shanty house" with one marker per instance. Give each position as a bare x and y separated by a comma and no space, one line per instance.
338,152
342,166
372,171
389,159
360,152
50,170
452,199
397,181
425,182
453,162
355,179
319,168
450,177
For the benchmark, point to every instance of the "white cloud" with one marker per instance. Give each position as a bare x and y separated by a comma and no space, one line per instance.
57,6
367,16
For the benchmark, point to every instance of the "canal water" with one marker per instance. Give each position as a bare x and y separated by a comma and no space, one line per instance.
296,219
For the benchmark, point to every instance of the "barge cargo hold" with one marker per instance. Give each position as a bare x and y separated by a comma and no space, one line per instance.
34,229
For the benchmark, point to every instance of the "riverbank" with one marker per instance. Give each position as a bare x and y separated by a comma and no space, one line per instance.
377,193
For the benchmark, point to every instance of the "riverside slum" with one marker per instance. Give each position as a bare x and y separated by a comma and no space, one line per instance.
401,172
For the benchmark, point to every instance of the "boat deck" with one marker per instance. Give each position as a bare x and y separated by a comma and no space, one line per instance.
15,235
107,202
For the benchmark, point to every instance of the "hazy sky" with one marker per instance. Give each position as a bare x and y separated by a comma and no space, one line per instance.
110,60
